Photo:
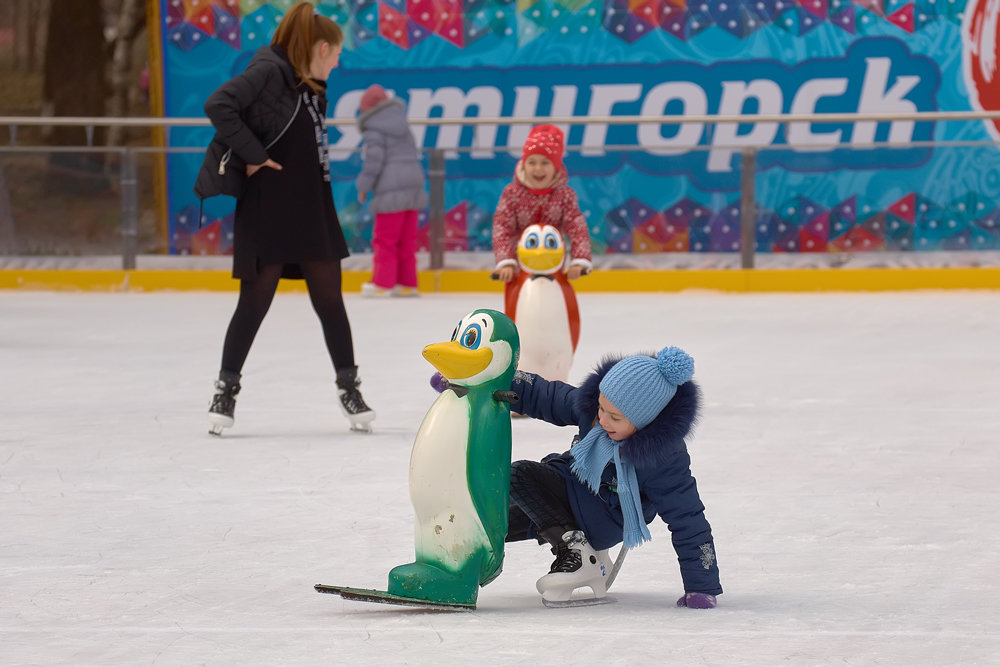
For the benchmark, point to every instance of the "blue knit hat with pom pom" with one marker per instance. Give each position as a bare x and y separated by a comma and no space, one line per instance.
641,386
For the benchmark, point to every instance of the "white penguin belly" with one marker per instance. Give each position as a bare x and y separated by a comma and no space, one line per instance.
543,326
448,528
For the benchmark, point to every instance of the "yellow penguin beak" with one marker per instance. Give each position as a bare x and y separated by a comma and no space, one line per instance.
541,260
456,362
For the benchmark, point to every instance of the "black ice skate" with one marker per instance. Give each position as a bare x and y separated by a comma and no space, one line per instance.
577,565
220,412
352,404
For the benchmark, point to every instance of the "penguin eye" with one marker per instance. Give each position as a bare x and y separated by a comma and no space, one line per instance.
551,243
454,333
471,336
531,242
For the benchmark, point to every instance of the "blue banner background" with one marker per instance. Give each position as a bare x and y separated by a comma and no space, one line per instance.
676,188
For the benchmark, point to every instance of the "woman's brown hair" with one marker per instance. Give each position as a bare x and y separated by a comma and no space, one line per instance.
299,30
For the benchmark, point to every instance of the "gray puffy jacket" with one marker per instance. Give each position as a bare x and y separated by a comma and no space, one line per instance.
391,168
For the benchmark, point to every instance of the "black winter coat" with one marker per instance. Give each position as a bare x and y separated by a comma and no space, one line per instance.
282,217
662,465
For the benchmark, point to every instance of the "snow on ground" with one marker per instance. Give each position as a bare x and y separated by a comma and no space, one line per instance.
847,456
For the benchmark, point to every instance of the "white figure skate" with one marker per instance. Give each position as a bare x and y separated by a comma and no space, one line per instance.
577,566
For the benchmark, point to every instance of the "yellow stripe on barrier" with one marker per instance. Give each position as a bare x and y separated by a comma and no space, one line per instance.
616,280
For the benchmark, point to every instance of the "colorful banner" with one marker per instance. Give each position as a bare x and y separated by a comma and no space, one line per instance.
820,187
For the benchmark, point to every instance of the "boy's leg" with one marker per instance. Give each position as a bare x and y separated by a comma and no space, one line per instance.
385,240
407,251
518,525
540,493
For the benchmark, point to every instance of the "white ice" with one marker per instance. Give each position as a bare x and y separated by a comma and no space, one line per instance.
848,456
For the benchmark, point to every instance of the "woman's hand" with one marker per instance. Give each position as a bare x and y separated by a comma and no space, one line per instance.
254,168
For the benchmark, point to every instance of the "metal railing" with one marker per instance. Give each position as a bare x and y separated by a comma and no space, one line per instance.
128,172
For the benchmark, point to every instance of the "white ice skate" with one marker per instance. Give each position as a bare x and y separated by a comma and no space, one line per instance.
371,290
578,566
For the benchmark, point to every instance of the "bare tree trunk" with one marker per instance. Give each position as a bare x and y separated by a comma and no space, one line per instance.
8,239
35,11
130,18
18,24
73,81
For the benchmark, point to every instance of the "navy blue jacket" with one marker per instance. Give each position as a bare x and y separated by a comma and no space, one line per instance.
662,464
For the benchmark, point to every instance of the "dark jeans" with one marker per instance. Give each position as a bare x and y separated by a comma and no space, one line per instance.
539,504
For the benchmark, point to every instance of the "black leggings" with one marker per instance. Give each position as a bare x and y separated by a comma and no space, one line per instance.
538,501
323,282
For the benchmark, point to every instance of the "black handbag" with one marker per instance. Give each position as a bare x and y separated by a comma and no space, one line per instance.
222,172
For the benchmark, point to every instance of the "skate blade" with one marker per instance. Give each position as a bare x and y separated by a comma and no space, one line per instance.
218,422
362,428
578,602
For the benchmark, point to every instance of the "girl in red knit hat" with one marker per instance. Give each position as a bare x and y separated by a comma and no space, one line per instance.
540,194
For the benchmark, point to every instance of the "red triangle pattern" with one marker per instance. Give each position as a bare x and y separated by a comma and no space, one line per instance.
903,17
905,208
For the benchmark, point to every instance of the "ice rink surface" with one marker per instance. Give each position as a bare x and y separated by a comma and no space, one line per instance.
848,455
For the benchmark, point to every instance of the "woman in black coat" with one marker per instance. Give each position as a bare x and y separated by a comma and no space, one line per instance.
270,151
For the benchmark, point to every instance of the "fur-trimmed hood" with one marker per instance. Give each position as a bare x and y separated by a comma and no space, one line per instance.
663,437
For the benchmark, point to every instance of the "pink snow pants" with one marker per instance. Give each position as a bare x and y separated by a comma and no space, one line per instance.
395,244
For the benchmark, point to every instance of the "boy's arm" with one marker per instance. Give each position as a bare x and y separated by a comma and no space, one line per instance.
675,495
505,235
372,158
225,107
548,400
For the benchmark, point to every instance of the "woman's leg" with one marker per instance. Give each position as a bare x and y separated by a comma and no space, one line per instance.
255,299
324,283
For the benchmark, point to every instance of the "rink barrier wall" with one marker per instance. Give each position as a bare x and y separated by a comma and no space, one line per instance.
616,280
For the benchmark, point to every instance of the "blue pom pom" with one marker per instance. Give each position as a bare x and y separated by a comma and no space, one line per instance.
675,364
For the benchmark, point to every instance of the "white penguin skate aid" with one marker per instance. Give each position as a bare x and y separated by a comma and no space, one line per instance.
581,567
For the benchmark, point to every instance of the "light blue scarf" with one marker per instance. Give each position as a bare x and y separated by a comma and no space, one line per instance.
590,456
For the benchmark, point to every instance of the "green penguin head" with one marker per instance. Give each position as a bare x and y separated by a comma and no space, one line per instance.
484,349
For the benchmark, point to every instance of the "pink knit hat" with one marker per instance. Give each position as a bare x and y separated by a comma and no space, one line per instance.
373,97
547,141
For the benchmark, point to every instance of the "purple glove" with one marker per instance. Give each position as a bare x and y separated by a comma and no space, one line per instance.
697,601
438,382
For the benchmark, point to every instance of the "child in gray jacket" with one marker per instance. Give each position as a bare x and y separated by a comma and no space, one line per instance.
392,172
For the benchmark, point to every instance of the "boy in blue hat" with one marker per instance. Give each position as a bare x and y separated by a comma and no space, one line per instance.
628,464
